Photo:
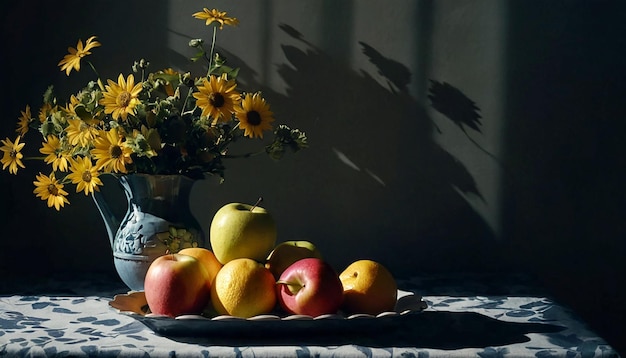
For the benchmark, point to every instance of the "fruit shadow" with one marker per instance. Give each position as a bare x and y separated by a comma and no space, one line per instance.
428,329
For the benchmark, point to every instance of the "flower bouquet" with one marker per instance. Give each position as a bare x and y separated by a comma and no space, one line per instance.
162,122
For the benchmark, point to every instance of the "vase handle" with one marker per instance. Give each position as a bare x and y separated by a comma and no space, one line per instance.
111,222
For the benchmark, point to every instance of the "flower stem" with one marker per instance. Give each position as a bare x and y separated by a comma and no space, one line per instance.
212,49
189,93
234,128
93,68
245,155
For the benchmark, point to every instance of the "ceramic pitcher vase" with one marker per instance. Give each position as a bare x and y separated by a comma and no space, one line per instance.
158,220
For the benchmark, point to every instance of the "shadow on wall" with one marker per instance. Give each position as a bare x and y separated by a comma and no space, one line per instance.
374,182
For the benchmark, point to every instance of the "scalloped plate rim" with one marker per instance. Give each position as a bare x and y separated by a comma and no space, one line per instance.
418,300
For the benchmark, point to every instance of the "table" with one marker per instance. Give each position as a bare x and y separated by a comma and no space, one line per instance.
467,316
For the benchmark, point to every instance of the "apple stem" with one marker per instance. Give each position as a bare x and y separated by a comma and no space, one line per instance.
257,203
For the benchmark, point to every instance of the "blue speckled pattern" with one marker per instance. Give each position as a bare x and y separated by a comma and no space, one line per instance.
475,316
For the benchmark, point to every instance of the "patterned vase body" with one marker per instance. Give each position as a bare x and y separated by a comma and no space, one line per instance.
158,213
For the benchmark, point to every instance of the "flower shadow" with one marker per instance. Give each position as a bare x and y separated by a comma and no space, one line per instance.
374,178
375,170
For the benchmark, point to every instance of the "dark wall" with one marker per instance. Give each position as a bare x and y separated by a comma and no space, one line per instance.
564,135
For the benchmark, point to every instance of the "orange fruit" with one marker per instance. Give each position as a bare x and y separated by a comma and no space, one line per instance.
243,288
368,287
207,259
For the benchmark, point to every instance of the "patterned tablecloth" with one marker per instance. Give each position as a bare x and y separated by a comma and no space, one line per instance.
472,316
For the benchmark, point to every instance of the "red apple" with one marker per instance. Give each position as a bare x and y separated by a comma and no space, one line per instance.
310,287
176,285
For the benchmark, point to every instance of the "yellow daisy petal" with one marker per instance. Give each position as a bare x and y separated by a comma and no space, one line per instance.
49,189
217,98
215,15
71,61
254,115
121,98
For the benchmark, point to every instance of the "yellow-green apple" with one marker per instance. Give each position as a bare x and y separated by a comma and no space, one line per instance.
310,287
288,252
176,285
242,231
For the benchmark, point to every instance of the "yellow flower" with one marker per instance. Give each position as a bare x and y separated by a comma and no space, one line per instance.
70,109
217,98
110,152
80,132
12,156
24,121
167,85
84,175
254,115
50,189
128,125
45,111
72,60
120,98
55,155
215,15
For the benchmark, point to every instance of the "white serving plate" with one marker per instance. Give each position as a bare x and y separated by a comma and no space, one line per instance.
134,305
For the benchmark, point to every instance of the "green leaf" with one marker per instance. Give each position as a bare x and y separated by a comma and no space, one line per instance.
197,56
48,96
48,128
231,72
234,73
82,113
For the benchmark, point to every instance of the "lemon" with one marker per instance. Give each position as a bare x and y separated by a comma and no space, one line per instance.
368,287
243,288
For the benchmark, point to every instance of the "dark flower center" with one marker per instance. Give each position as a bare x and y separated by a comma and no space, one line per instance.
13,153
52,189
116,151
123,99
216,100
254,118
87,176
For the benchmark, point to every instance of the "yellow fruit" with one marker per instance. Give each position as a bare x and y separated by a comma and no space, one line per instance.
368,287
242,231
206,258
243,288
